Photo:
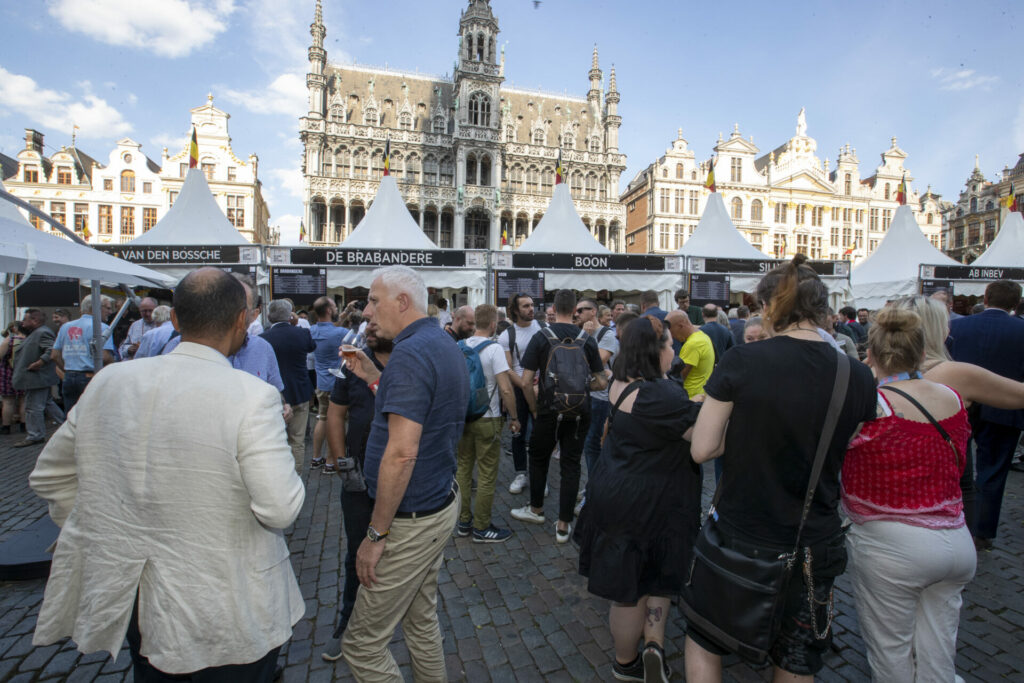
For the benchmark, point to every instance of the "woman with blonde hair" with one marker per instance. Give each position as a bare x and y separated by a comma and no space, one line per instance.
910,552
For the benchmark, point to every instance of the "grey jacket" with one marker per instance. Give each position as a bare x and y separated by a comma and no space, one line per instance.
36,346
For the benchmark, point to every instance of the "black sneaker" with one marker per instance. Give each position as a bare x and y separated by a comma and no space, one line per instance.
655,668
491,534
634,671
464,529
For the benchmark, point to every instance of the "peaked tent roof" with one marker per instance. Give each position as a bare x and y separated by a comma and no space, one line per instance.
388,224
717,237
194,219
20,243
561,231
892,270
1007,249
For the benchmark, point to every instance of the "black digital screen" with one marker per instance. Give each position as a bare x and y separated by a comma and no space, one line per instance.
709,288
48,290
512,282
301,285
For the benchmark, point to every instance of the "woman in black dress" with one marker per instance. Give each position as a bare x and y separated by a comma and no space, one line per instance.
637,529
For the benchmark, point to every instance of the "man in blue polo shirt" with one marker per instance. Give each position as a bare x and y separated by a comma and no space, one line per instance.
72,350
419,411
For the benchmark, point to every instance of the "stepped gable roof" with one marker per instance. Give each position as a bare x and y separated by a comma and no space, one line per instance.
717,237
388,223
561,230
195,218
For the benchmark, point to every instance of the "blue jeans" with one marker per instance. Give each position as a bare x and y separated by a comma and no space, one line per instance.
39,403
73,388
592,446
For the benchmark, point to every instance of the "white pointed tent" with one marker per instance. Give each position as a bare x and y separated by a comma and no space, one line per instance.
195,219
1006,251
893,269
717,237
561,231
389,225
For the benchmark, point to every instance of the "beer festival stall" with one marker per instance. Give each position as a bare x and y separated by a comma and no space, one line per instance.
561,253
194,233
893,270
1003,260
386,236
721,265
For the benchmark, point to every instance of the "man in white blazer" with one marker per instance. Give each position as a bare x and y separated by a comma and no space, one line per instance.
172,480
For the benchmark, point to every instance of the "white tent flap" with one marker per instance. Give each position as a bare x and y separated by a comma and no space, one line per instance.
1007,249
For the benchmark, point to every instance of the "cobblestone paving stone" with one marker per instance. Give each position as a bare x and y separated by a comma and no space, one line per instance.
516,611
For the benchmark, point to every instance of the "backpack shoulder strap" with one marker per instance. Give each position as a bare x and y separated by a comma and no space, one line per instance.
483,345
603,331
549,335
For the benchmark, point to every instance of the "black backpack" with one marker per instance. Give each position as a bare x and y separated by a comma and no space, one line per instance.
565,382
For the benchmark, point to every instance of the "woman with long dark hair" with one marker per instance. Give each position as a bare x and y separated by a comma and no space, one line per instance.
643,501
764,413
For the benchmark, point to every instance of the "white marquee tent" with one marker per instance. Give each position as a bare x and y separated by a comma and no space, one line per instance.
717,237
892,271
1006,251
194,219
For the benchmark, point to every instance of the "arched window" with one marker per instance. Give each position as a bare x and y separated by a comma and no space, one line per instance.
848,184
405,121
538,136
756,210
490,49
929,219
516,178
679,171
974,200
887,190
664,173
485,170
595,144
341,162
447,171
737,208
602,188
577,184
479,109
370,116
127,181
469,45
471,169
591,187
693,174
479,47
430,170
412,169
395,167
439,125
510,133
568,142
378,164
532,180
547,180
360,163
328,163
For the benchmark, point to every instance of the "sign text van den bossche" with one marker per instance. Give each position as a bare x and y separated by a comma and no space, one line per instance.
173,255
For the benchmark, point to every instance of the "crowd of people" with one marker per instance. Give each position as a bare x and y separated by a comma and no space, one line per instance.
872,442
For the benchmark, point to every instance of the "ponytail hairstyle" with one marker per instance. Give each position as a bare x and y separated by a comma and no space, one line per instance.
793,293
896,340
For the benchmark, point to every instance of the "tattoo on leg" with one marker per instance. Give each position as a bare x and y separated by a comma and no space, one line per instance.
653,616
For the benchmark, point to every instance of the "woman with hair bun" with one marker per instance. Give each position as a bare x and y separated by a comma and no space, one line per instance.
910,552
764,414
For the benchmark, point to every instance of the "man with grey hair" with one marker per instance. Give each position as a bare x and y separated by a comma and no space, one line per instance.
138,329
72,351
154,340
291,344
419,412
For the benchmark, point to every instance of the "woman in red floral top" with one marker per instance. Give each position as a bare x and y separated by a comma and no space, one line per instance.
910,552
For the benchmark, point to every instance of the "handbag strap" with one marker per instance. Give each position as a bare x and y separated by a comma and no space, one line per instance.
835,407
935,423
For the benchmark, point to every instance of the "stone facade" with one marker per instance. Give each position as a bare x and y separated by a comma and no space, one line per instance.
974,220
783,202
474,160
118,201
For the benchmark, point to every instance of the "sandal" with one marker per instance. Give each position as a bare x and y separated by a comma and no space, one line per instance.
317,462
329,469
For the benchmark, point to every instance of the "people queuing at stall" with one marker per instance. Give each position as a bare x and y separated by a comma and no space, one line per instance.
842,441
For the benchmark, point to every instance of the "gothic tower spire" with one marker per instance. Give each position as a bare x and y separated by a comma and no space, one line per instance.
612,120
316,81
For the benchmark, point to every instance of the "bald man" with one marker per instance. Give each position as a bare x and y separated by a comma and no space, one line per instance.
138,328
463,323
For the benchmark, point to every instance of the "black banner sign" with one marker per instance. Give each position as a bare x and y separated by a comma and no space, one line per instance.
172,254
374,258
589,261
512,282
301,285
48,290
972,273
708,288
722,265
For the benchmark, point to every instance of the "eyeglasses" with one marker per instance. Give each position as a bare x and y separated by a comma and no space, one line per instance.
584,308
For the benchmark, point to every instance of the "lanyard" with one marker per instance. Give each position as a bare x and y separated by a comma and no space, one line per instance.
898,377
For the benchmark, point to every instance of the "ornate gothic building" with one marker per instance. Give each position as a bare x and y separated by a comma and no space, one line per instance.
474,160
974,221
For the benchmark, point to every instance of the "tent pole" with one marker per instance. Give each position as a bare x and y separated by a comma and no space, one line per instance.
97,326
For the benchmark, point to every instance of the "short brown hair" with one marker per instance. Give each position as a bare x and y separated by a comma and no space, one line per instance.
485,315
1004,294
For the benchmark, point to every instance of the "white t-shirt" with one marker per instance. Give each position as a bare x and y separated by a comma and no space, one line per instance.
523,337
607,343
493,361
443,317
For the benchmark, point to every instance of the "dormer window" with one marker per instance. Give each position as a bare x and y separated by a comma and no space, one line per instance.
63,175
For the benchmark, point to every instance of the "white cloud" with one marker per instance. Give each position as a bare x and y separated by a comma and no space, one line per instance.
172,141
170,28
286,95
289,226
60,110
290,180
962,79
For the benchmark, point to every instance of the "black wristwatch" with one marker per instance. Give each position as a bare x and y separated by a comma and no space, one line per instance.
374,535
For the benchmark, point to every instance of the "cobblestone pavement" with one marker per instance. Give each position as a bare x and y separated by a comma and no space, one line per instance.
514,611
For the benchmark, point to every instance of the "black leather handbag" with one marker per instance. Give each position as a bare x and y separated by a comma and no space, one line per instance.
734,593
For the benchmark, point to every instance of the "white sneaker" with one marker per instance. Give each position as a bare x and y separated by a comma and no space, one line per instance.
518,484
562,536
526,514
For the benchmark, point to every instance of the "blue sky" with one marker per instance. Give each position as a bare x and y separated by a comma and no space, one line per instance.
938,75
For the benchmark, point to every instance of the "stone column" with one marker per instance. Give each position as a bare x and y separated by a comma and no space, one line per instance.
459,228
494,235
346,229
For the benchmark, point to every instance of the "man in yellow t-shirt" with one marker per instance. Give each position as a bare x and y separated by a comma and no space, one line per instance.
697,353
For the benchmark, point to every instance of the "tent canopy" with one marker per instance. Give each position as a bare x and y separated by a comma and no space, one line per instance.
388,224
20,244
194,219
892,270
717,237
1007,249
561,231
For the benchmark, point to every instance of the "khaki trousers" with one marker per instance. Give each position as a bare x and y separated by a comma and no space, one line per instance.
296,428
406,592
481,446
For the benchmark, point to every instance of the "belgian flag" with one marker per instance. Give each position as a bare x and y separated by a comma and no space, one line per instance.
559,170
302,231
710,182
387,156
901,191
193,150
1010,200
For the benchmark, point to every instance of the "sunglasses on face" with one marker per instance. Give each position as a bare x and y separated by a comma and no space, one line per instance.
584,308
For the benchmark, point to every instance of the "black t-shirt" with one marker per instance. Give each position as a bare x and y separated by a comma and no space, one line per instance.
780,390
352,392
536,355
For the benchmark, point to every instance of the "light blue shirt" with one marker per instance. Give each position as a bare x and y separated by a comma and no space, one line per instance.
328,338
154,340
73,343
255,357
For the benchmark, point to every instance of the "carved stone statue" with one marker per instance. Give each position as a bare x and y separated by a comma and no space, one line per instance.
371,83
801,123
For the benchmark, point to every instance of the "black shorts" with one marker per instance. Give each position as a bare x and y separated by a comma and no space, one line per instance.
796,649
